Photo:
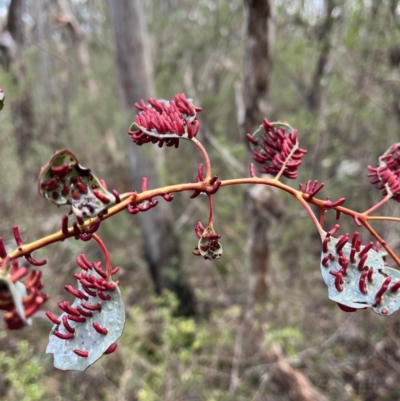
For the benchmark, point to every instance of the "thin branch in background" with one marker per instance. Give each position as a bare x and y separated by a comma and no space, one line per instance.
237,352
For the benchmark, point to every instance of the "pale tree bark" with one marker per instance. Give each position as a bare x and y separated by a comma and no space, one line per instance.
14,21
263,202
161,244
65,17
51,86
325,44
317,94
42,14
53,121
259,36
12,41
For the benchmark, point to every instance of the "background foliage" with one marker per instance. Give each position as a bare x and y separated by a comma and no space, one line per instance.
198,48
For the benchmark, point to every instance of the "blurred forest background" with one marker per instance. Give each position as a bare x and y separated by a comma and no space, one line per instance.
256,324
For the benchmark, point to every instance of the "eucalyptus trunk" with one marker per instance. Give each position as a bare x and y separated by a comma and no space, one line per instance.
12,41
263,203
161,244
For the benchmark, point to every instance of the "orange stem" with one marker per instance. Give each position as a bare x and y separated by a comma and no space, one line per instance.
210,216
206,158
202,186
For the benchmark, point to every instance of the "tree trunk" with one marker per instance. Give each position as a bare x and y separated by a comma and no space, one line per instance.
324,40
161,244
67,18
263,202
258,63
394,64
12,41
317,94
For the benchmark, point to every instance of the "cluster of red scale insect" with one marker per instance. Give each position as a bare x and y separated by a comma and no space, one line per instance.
388,173
366,272
73,185
165,118
92,287
276,149
33,300
211,242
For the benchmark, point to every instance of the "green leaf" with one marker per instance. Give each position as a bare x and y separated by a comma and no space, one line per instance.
64,181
